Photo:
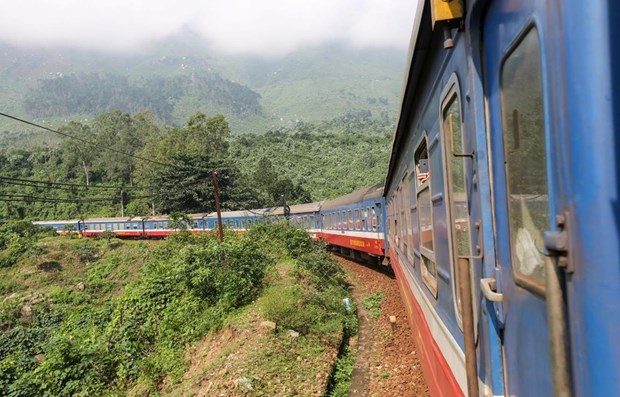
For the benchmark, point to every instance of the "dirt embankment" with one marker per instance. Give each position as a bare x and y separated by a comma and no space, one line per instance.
387,363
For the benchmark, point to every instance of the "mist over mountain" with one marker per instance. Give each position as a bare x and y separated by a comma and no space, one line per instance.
176,77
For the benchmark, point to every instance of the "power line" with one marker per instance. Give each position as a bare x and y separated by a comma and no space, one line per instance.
86,141
31,199
34,183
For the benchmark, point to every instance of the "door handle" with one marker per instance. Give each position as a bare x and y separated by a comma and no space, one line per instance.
489,288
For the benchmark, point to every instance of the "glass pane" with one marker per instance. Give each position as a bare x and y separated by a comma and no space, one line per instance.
456,169
526,160
425,219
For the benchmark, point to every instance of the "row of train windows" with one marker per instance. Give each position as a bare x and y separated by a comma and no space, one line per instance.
364,219
238,223
111,226
304,222
410,208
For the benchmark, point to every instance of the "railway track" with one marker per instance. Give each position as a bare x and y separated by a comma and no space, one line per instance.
387,361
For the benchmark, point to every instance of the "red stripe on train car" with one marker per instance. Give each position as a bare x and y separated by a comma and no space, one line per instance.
365,244
439,377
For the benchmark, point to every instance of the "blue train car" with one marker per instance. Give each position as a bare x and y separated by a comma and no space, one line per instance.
355,221
61,227
502,196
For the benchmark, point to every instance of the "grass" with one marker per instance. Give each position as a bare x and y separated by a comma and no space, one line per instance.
372,303
255,361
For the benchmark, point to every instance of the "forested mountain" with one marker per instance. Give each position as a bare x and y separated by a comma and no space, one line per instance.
176,78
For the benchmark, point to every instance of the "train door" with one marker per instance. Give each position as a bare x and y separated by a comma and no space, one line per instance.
520,133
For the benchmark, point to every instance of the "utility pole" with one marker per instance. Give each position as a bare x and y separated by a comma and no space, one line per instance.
122,205
286,209
217,204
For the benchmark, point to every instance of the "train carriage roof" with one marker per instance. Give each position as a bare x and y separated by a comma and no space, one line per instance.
112,220
354,197
242,213
298,208
418,48
44,223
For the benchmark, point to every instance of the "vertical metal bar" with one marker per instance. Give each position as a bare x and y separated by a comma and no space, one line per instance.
558,329
122,205
217,204
469,337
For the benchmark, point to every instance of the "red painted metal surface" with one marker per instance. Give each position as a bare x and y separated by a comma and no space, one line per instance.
437,372
373,246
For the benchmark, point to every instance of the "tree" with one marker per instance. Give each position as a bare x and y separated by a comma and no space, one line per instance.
77,154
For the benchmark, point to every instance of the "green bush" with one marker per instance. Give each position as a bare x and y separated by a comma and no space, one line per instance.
280,240
86,250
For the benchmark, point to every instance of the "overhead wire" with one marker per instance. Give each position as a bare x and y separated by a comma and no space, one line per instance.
29,199
66,185
93,144
33,183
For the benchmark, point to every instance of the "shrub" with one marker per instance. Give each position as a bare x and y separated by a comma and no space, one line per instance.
86,250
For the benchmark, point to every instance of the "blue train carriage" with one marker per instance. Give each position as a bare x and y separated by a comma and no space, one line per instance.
354,222
61,227
303,216
240,221
502,196
119,226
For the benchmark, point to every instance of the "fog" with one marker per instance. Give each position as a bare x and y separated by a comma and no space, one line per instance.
264,27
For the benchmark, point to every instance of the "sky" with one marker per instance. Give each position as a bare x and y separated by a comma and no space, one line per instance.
256,27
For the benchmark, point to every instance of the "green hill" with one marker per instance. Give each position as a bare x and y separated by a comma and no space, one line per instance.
178,77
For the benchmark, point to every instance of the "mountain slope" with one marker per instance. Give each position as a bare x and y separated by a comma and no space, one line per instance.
177,77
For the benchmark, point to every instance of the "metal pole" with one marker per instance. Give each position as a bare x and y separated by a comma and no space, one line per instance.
469,337
122,205
217,204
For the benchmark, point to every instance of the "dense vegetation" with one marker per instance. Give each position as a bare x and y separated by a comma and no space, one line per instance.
172,166
90,93
96,317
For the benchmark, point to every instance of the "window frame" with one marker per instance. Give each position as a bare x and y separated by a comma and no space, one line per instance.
530,284
452,92
428,278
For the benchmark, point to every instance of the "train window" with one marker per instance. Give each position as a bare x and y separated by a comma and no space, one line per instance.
406,217
422,166
343,224
373,217
411,208
350,220
457,197
523,129
135,226
425,218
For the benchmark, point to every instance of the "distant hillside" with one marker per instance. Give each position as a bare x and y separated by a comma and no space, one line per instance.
93,93
177,77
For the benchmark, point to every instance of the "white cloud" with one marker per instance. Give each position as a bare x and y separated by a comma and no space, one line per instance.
234,26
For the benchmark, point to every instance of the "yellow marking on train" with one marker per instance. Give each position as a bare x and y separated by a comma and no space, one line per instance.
357,243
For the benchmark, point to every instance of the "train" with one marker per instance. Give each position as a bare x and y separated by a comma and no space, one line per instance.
352,223
499,213
502,196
